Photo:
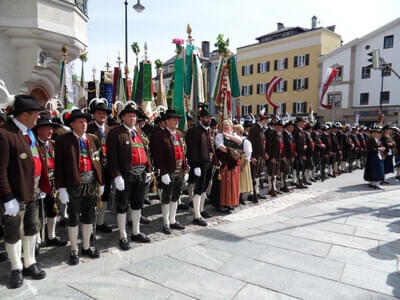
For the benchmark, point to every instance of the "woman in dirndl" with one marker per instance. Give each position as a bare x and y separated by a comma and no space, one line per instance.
228,145
245,181
374,166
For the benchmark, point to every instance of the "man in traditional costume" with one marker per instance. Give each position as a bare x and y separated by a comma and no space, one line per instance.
20,172
79,181
169,159
374,166
300,142
130,169
46,147
99,128
201,158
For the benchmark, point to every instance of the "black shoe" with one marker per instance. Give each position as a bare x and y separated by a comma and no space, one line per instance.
104,228
3,256
147,202
166,229
56,242
34,271
259,196
177,226
74,258
140,238
307,182
272,193
199,222
384,182
253,199
313,179
16,279
285,189
378,187
205,214
183,206
91,252
37,250
144,220
124,244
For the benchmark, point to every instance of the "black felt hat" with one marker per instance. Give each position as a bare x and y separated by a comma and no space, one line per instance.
75,114
24,103
170,113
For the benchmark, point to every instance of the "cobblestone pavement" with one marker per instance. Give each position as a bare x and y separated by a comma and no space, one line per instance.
291,236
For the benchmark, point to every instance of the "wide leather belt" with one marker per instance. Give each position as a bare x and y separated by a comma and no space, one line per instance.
137,170
88,177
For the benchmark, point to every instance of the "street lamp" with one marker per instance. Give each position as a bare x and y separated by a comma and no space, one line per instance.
139,8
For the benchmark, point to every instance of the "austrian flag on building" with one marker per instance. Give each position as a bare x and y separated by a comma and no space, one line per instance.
270,88
330,75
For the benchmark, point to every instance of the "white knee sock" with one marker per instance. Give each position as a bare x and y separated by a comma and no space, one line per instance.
28,245
159,192
38,238
14,254
203,197
51,228
87,230
102,212
257,185
129,213
136,221
270,185
165,208
121,220
73,237
173,206
295,177
397,171
196,206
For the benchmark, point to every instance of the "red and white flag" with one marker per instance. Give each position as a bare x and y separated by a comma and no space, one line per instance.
329,76
270,88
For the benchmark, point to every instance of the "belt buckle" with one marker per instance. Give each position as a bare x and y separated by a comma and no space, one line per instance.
137,170
87,177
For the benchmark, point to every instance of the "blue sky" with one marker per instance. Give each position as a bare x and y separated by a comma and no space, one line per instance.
241,21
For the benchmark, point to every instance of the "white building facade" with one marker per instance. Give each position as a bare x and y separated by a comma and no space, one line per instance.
31,37
359,91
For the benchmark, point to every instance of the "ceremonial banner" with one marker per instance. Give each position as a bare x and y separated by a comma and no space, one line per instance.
147,86
270,88
197,88
135,82
217,81
178,103
115,84
233,77
188,69
330,75
139,87
161,97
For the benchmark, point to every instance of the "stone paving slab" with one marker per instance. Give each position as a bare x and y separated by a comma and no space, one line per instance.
257,293
303,262
372,260
187,279
123,285
335,238
383,282
61,294
294,243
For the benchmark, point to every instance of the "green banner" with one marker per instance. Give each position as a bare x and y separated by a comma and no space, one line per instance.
188,69
135,83
147,90
233,77
178,103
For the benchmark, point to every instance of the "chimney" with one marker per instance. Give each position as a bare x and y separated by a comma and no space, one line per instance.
280,26
313,22
205,47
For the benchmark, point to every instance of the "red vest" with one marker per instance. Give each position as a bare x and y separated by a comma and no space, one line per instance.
178,149
139,156
37,163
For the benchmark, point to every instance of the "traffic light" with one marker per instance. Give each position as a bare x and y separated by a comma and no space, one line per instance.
374,59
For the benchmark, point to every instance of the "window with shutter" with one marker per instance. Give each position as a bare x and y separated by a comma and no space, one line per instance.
283,108
307,59
304,107
251,69
286,63
243,111
295,62
250,109
242,91
306,83
285,86
294,85
251,89
258,67
258,88
267,66
275,64
294,108
243,70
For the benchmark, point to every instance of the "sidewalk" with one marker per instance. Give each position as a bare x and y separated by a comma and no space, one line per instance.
342,249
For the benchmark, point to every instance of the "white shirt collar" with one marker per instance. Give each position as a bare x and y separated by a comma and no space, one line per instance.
100,126
206,128
43,142
21,126
129,129
78,137
170,131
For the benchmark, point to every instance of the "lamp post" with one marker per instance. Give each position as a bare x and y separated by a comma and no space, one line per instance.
139,8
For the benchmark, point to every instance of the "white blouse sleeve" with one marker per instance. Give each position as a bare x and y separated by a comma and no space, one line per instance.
248,149
219,140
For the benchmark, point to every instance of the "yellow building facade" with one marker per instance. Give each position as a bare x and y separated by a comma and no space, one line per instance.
291,53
